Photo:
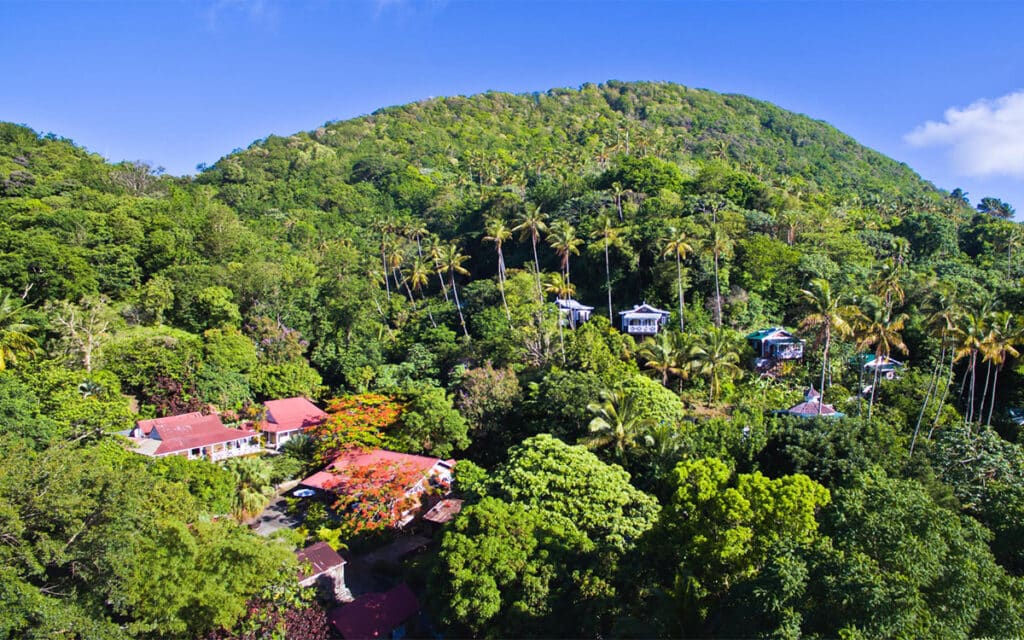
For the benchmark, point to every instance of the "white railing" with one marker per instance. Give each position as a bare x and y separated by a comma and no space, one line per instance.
245,450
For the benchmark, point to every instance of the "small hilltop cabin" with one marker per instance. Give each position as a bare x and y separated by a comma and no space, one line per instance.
643,320
774,344
886,367
572,312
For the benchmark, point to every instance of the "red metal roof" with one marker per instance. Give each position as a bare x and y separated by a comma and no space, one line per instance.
145,426
375,615
320,556
191,431
337,474
291,414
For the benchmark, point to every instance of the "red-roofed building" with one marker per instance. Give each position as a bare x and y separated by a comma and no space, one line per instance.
193,435
287,417
376,615
321,565
360,472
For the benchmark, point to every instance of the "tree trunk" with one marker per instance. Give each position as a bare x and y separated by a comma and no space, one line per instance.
932,384
824,367
384,263
608,281
458,306
945,394
718,295
984,393
874,387
679,284
536,273
501,285
992,403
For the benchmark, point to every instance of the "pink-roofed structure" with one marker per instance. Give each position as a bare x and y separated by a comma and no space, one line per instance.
350,472
376,615
288,417
193,435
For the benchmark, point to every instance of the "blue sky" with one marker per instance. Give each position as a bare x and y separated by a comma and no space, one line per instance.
181,83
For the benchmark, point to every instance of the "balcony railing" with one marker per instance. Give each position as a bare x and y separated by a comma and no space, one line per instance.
244,450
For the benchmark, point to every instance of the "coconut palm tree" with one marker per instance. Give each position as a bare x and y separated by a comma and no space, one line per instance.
562,238
887,285
971,335
717,244
677,244
942,322
563,290
608,235
876,328
530,224
827,316
498,232
617,421
451,260
663,353
1002,340
14,339
716,355
418,275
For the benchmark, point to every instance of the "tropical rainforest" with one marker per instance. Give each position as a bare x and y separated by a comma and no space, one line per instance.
406,265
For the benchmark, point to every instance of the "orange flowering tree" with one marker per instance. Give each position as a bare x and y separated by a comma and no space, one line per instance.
355,422
375,496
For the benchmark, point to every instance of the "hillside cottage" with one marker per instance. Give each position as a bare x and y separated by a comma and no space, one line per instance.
573,314
194,436
643,320
774,344
287,418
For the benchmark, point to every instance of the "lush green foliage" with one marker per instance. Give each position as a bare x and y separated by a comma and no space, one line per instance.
405,263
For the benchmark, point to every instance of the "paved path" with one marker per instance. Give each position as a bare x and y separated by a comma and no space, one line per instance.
274,518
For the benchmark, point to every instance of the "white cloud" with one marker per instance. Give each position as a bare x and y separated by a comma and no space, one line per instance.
262,13
984,139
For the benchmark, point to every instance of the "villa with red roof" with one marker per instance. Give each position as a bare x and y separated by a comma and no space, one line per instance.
193,435
357,472
288,417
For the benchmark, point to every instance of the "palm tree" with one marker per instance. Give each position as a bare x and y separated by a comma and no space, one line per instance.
530,224
1001,343
608,235
14,339
717,243
942,322
498,232
562,238
618,192
879,329
451,260
887,284
617,421
252,485
714,356
677,245
662,354
418,276
828,315
563,290
971,339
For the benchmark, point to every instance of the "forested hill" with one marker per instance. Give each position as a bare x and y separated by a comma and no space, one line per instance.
504,139
406,264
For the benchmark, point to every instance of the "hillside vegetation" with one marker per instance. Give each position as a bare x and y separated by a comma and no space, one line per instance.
410,259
